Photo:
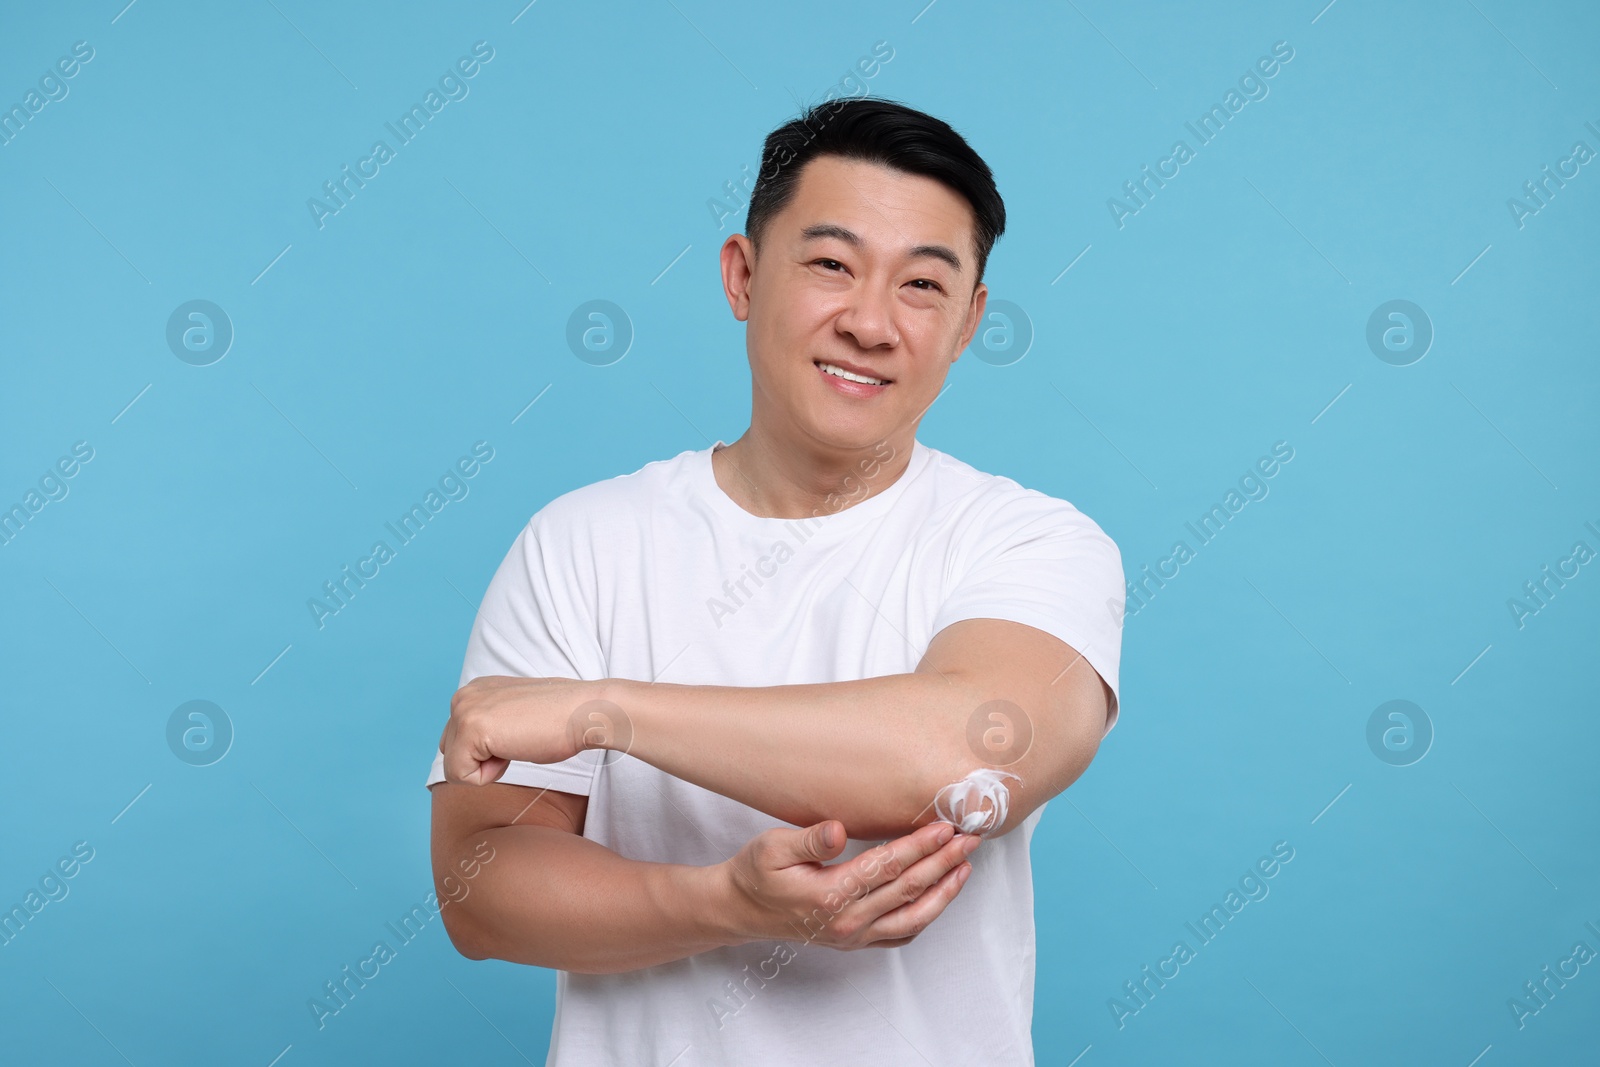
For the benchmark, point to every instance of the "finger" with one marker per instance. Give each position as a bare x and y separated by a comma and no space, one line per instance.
491,769
456,765
466,762
814,844
918,878
881,865
907,921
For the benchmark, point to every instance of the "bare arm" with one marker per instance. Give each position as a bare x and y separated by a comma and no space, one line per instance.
871,753
552,898
539,894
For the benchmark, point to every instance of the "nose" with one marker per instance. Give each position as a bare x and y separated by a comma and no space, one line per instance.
869,318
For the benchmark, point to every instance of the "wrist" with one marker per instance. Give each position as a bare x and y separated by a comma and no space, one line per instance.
710,906
614,692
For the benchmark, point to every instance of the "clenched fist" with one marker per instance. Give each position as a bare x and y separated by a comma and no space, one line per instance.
495,719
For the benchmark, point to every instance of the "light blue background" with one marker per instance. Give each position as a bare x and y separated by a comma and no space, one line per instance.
1225,316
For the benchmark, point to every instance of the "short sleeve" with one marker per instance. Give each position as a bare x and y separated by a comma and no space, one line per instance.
1040,561
527,627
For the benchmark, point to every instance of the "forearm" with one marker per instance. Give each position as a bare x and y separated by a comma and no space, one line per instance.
554,899
874,753
870,753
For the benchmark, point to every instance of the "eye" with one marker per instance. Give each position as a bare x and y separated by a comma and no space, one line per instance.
829,264
933,286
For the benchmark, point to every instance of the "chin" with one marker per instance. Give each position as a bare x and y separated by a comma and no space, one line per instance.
850,432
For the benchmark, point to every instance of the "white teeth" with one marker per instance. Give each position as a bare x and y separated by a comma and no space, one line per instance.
839,372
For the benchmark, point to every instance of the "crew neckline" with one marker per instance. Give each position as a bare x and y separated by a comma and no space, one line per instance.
705,481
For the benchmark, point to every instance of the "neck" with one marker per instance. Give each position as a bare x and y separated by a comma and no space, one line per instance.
799,479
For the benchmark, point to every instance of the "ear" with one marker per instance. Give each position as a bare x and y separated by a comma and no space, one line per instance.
738,267
980,300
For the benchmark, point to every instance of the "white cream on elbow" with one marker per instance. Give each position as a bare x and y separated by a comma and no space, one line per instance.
977,803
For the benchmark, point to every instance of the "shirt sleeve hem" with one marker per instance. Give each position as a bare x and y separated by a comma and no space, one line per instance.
534,775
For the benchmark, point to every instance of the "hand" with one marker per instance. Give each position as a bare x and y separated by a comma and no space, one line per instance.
494,720
882,898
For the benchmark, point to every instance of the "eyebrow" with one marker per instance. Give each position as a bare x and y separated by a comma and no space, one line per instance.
849,237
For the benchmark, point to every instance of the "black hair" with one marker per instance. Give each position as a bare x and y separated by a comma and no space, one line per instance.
877,131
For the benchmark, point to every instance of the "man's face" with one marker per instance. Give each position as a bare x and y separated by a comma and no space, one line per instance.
867,270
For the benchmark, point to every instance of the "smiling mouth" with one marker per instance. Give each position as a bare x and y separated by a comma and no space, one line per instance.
849,376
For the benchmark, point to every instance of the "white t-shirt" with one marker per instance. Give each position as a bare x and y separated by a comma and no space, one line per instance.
660,576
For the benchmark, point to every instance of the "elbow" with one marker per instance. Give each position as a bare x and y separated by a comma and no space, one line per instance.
463,933
475,938
986,800
990,799
995,800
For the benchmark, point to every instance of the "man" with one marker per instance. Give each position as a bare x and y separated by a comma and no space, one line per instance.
692,687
